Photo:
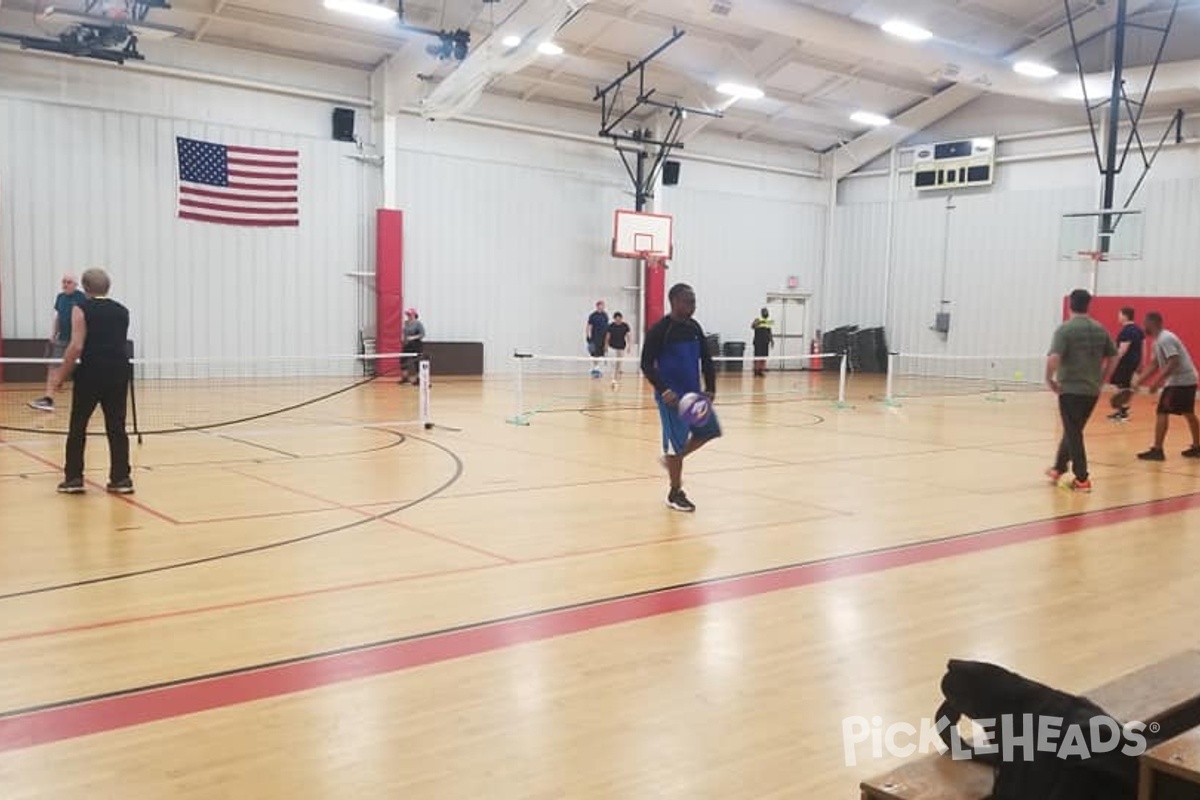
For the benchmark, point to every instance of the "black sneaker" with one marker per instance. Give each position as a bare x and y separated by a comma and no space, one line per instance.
42,404
679,501
1192,452
1153,454
121,487
71,486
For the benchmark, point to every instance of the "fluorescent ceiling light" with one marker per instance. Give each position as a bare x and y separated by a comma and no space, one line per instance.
1034,70
867,118
363,8
906,30
550,49
742,92
511,41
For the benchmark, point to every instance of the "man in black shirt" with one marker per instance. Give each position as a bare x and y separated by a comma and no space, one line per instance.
1129,357
618,342
99,330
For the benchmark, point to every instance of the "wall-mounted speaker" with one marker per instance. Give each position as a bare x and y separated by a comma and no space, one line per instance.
343,124
670,173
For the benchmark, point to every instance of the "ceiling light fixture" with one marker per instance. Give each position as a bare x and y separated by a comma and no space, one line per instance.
867,118
511,41
550,49
1034,70
741,92
363,8
906,30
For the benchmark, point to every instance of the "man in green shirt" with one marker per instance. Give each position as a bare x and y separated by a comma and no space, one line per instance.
1081,360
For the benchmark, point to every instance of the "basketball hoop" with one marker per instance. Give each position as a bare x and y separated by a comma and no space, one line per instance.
1092,255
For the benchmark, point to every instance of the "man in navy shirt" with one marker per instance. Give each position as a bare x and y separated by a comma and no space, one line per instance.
597,336
60,336
1129,357
673,358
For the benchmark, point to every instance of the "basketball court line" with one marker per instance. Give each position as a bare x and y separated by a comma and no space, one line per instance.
335,505
124,498
458,470
83,716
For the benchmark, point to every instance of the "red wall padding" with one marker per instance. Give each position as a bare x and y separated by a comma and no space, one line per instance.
1181,315
389,287
656,295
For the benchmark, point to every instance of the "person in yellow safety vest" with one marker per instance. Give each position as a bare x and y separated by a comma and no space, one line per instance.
764,340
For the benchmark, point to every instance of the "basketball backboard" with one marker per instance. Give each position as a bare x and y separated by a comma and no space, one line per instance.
638,235
1081,233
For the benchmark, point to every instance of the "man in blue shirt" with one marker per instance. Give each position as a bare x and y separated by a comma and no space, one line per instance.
60,336
1129,357
673,358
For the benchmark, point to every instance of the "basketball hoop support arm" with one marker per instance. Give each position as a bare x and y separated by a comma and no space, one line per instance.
640,139
1117,101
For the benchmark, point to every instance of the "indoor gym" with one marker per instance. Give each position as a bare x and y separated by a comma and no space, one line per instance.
330,583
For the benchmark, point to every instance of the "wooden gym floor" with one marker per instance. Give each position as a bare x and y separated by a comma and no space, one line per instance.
309,607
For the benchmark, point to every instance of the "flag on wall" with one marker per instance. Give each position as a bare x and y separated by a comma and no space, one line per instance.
228,185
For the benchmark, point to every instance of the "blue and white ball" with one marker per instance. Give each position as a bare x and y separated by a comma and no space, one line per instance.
694,409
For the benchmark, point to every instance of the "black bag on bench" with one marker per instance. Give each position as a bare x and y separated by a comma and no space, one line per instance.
1034,751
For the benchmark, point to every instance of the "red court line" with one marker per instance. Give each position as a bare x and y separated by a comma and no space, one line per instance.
86,716
97,485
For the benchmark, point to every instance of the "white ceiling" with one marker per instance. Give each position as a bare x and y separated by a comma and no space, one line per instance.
818,60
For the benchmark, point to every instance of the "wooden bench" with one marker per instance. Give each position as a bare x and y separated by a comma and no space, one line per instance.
1166,693
1171,771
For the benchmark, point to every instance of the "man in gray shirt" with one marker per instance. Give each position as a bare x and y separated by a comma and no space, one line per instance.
1176,376
414,345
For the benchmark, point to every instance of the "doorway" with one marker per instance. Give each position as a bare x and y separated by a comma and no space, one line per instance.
790,312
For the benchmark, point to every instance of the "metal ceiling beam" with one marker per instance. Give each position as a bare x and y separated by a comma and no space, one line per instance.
875,143
204,26
298,26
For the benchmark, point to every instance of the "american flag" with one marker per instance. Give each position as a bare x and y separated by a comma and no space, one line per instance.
230,185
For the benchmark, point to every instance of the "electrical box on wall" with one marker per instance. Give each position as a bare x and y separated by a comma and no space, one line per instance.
951,165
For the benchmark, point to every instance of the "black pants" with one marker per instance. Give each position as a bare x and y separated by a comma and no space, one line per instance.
109,389
1075,409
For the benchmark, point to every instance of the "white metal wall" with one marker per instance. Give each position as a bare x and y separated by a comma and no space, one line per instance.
85,186
508,237
1002,276
736,243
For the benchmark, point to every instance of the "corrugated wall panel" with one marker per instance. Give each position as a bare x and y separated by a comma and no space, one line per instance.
508,239
85,187
855,288
735,248
511,255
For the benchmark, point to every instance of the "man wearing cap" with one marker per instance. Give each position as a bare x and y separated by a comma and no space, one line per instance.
414,342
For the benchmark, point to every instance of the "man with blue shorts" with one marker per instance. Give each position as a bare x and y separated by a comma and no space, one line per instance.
673,358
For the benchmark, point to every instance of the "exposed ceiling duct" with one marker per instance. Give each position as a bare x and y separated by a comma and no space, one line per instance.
534,22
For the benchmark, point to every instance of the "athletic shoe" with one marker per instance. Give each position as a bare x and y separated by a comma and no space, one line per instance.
1054,475
42,404
1192,452
1153,454
121,487
1081,486
679,501
71,486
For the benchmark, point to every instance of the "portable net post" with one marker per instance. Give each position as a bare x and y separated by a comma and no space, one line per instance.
520,417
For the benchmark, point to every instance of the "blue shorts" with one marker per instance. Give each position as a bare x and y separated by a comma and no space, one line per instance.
676,431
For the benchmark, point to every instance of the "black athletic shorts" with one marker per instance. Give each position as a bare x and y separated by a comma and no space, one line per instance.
1177,400
1122,376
